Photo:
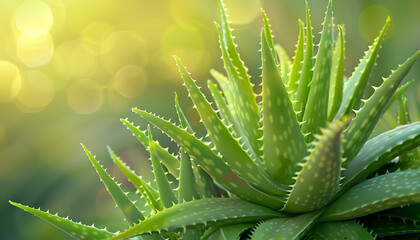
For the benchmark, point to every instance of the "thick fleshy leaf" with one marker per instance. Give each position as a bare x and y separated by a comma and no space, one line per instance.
130,211
187,189
376,194
306,72
297,61
364,122
409,212
284,67
319,179
388,226
225,143
213,164
284,144
202,211
380,150
169,160
357,83
336,77
269,37
244,97
399,92
230,232
315,115
286,228
77,230
339,231
166,193
181,116
226,89
150,194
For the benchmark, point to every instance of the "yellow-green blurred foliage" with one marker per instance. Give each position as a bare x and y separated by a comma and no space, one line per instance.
70,68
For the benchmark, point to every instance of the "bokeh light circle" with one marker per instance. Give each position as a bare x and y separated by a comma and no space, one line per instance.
85,96
10,82
243,11
122,48
36,92
371,20
34,18
35,51
130,81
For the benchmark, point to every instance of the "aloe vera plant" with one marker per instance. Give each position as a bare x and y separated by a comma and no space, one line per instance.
298,165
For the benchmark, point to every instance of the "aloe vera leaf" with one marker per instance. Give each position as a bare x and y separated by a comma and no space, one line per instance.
284,67
286,228
355,86
389,226
339,231
376,194
336,77
315,115
319,179
297,60
244,98
202,211
187,190
306,72
169,160
226,89
181,116
398,93
269,37
77,230
280,124
192,234
225,143
230,232
229,119
380,150
166,194
214,165
150,194
131,213
364,122
409,212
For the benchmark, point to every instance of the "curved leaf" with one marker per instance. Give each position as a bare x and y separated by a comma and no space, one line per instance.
339,231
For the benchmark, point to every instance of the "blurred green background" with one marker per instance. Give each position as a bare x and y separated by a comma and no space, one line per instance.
69,69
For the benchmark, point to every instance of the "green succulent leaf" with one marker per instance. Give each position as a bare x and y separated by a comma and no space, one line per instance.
387,226
225,143
269,37
226,89
336,77
319,179
306,72
230,232
364,122
284,144
187,190
286,228
376,194
398,93
213,164
357,83
380,150
408,212
284,67
244,98
297,60
339,231
130,211
166,193
169,160
202,211
315,115
182,118
150,194
77,230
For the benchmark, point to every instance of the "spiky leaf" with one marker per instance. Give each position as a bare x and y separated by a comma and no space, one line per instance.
364,122
284,144
297,61
74,229
339,231
376,194
284,67
202,211
130,211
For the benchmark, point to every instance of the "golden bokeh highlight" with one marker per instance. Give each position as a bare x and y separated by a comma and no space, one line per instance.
243,11
122,48
34,51
72,59
94,34
371,20
10,82
36,92
34,18
130,81
85,96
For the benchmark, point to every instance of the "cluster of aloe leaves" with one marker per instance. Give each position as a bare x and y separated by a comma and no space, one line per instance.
297,165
